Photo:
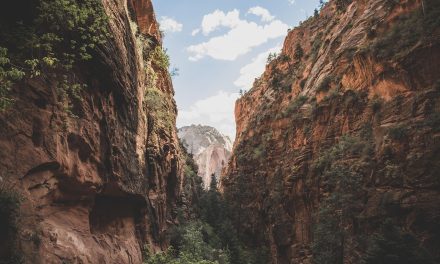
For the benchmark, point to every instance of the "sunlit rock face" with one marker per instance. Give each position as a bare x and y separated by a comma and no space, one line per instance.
345,78
210,148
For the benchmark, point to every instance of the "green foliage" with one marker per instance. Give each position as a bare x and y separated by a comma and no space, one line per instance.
196,246
10,202
295,105
208,235
160,58
317,43
299,52
72,29
346,147
376,104
398,133
166,257
324,86
271,57
341,5
62,34
433,121
343,183
157,105
302,83
326,246
9,207
408,32
259,152
315,13
393,246
8,76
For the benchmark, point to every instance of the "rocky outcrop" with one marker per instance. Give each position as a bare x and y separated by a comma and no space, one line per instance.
99,183
344,126
210,149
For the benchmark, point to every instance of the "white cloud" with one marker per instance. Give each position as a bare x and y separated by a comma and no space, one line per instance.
291,1
219,19
195,32
216,111
254,69
170,25
242,36
238,41
261,12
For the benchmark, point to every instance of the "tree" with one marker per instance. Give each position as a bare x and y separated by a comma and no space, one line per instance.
392,246
299,53
213,184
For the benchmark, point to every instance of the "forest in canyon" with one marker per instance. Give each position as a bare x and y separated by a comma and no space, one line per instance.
336,157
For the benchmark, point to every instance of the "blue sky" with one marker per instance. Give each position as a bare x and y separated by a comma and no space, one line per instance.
220,46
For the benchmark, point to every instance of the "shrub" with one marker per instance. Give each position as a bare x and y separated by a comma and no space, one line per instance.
160,58
9,207
299,52
376,104
8,75
259,152
433,121
317,43
343,182
398,133
157,104
62,34
392,246
271,57
302,83
409,31
295,105
342,4
324,86
10,202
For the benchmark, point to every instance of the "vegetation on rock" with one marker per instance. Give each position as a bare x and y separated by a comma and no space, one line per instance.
56,38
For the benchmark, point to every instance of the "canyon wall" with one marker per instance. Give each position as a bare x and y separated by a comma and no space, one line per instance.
210,149
342,134
98,182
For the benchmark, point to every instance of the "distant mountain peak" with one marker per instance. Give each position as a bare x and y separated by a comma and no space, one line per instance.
211,149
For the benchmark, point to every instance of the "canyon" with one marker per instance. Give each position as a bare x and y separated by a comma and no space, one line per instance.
336,157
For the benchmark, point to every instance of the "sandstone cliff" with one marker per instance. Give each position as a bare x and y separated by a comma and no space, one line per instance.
99,180
211,150
342,132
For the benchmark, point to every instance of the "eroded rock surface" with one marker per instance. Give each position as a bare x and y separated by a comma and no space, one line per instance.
101,183
364,74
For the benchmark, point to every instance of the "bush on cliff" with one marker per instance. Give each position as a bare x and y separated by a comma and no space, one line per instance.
8,75
9,214
393,246
53,37
341,170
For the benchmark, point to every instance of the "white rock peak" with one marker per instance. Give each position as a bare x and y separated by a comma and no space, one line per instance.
210,148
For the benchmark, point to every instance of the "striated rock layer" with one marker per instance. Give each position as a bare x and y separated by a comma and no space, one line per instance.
98,187
210,149
360,73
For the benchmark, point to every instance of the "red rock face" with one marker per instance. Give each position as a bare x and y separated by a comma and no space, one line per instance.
99,187
374,91
145,17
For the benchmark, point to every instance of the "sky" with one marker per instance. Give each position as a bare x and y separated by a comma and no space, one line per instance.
220,47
